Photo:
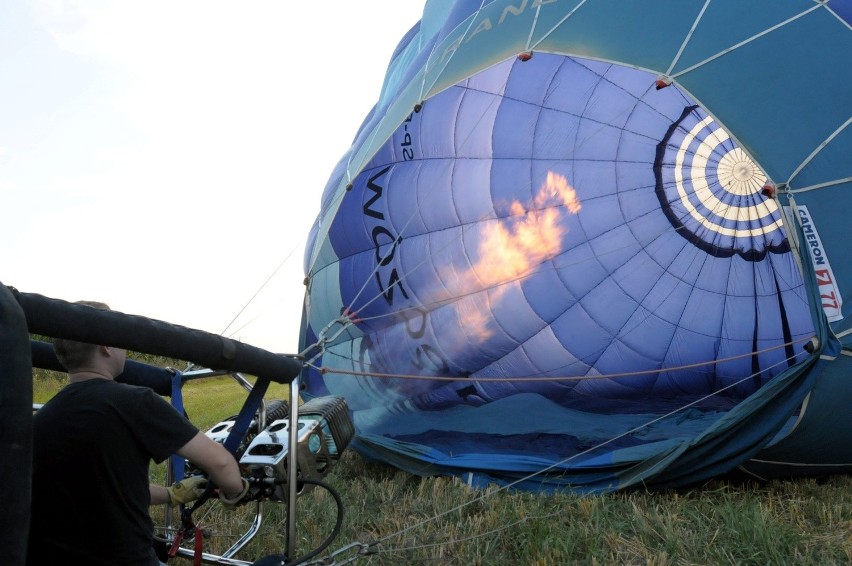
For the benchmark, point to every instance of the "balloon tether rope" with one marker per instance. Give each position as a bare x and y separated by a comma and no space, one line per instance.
327,370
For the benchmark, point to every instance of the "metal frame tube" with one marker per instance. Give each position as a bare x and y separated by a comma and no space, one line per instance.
292,468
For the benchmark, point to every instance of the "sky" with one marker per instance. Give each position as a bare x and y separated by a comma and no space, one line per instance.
168,157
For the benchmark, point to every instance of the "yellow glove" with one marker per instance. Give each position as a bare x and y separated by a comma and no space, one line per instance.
231,503
186,490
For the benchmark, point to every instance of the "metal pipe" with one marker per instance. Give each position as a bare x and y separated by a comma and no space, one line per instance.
292,468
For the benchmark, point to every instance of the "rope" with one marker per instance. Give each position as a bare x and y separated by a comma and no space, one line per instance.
526,379
746,41
687,38
256,293
566,460
814,153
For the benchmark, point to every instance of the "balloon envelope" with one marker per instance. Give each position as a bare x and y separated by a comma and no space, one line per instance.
594,248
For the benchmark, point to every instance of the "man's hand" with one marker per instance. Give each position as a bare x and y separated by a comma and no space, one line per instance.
186,490
230,503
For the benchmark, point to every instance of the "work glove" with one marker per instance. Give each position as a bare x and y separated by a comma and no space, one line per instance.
231,503
186,490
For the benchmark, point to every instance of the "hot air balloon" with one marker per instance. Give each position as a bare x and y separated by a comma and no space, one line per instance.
590,245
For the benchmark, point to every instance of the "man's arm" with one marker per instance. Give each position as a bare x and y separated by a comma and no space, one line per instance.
159,494
213,458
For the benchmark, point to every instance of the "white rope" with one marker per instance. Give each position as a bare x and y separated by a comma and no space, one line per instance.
688,37
559,23
746,41
566,460
532,27
821,185
814,153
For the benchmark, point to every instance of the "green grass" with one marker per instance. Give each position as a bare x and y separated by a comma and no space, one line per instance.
440,521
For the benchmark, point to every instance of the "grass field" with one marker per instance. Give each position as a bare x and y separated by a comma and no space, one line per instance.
411,520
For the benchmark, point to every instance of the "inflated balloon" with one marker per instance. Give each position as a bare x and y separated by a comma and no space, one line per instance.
608,250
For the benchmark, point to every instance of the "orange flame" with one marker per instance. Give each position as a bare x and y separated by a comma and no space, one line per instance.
511,249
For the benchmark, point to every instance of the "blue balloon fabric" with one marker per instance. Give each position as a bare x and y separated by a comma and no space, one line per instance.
566,264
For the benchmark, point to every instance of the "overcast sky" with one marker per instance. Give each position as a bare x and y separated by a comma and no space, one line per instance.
167,157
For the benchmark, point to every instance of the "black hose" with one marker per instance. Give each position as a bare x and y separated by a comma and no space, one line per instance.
334,532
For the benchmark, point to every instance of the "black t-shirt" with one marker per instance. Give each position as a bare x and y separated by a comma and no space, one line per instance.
92,445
